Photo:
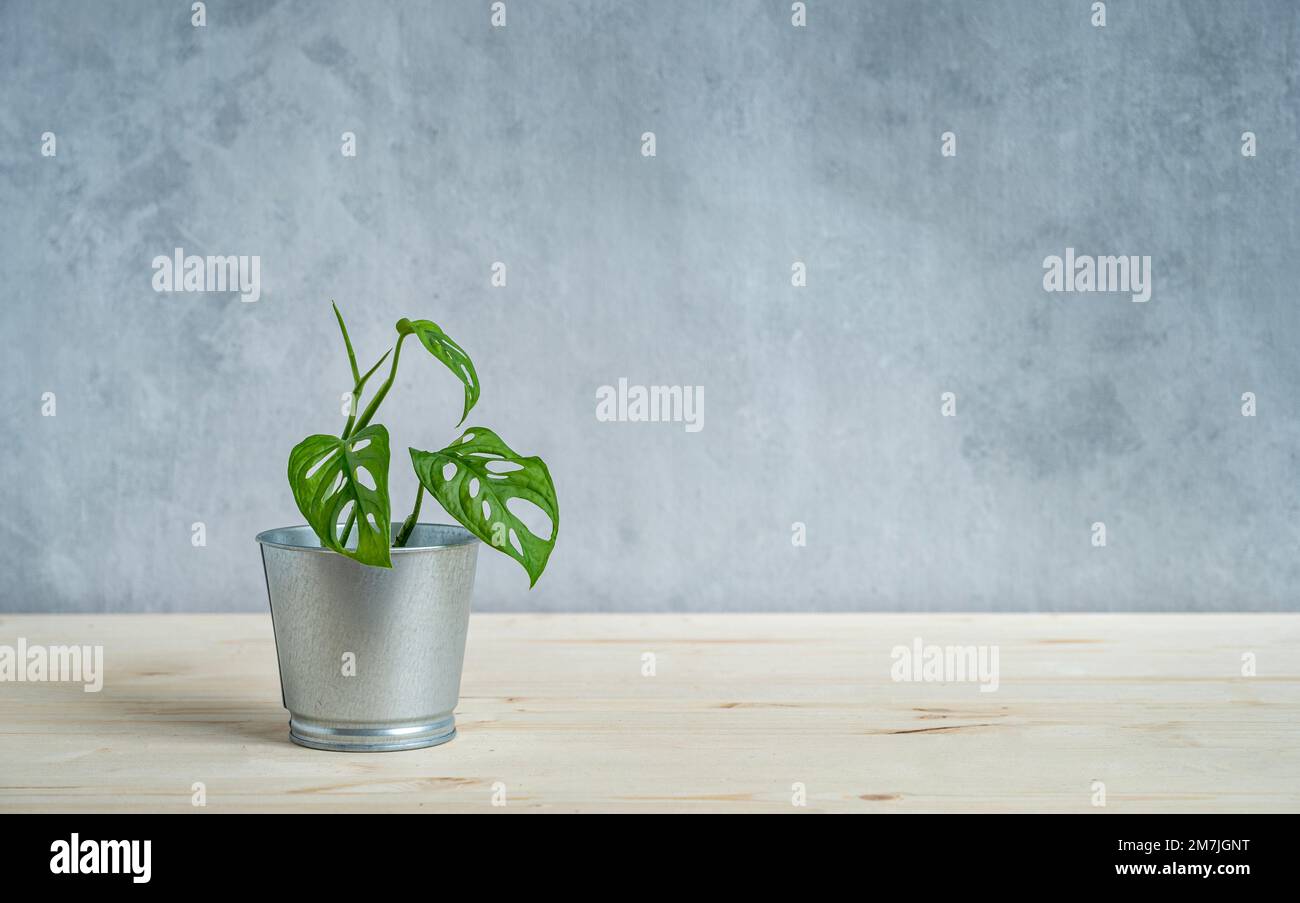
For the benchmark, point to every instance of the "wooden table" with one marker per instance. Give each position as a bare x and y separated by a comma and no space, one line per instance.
741,712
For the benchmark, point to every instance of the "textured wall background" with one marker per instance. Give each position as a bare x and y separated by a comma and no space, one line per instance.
774,144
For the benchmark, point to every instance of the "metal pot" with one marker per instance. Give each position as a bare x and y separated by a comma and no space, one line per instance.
370,658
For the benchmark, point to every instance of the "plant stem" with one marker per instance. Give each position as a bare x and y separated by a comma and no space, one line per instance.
347,528
383,390
356,395
405,533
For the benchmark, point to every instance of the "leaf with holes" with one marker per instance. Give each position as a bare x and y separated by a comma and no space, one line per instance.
476,477
441,346
329,474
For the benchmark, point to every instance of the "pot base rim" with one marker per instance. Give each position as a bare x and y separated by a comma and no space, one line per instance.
376,739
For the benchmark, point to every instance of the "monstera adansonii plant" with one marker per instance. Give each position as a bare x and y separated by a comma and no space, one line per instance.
341,482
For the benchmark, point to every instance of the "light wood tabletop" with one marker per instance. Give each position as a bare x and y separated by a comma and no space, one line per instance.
725,713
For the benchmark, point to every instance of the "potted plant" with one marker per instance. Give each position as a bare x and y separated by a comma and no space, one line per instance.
370,616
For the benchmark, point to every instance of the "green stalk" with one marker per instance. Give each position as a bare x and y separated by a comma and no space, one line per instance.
347,528
405,533
356,426
383,390
356,395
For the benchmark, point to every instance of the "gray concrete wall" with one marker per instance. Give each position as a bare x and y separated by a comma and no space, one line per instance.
774,144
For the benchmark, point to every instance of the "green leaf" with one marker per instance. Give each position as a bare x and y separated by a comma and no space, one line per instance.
442,347
324,475
459,477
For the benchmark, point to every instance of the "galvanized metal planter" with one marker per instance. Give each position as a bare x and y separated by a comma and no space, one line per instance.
370,658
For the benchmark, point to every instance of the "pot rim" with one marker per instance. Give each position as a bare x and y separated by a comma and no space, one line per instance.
265,538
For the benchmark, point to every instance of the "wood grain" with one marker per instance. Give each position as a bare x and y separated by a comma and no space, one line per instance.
741,708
